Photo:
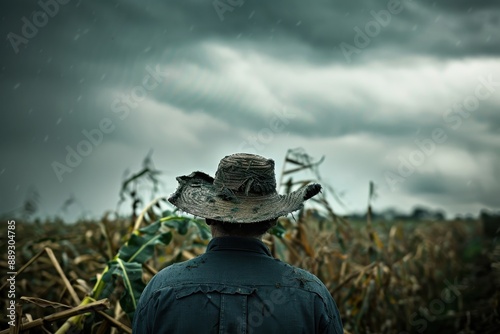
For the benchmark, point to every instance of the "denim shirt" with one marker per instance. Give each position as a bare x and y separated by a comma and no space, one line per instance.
236,286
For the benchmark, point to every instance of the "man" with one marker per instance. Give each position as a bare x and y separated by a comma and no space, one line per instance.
236,286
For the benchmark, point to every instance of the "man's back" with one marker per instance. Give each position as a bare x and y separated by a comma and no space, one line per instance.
236,287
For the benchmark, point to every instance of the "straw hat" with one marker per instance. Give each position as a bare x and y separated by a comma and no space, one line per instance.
243,191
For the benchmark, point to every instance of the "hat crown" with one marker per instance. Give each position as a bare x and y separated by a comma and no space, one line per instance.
246,174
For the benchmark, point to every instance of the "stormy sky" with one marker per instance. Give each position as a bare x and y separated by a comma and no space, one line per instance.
401,93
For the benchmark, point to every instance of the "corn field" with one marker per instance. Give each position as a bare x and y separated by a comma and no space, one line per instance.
385,276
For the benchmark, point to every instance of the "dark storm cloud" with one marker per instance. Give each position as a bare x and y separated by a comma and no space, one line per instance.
464,5
465,191
129,27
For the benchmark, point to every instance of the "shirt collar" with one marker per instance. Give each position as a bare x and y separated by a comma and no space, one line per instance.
238,244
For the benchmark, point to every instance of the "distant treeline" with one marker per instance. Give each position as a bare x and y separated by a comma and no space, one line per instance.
425,214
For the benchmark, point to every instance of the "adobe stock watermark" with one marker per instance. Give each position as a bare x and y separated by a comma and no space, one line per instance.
453,118
363,37
437,306
221,6
39,19
276,125
121,107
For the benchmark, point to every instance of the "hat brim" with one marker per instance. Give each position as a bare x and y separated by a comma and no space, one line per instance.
197,195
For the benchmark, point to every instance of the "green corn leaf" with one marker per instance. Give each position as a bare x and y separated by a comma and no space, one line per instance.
203,228
131,276
167,213
140,248
108,283
181,224
150,229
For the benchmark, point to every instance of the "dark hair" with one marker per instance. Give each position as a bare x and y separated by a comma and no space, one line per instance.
256,229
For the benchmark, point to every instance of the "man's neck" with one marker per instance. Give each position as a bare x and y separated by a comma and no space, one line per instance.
216,234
